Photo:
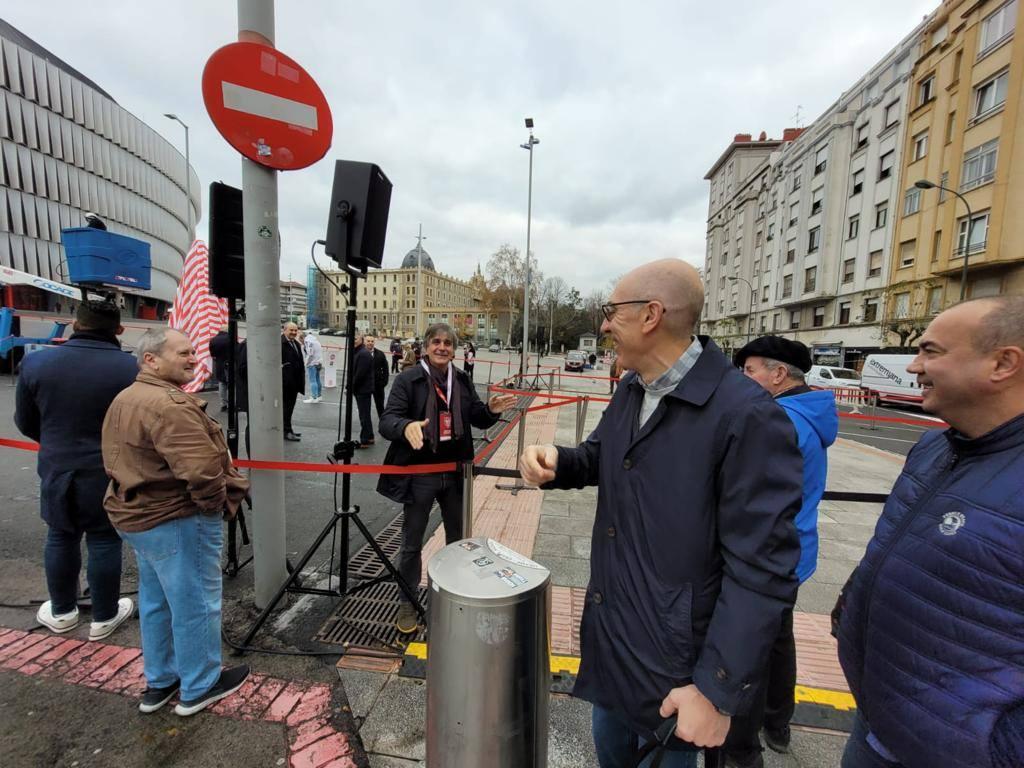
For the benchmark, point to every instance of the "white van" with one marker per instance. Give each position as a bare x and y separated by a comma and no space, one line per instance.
887,375
831,377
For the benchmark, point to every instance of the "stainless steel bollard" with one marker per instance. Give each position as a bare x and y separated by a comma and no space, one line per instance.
467,499
488,672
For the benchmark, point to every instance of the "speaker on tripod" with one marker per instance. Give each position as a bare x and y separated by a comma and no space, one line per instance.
227,242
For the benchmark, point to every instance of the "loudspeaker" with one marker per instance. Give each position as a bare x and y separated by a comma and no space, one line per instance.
227,242
362,193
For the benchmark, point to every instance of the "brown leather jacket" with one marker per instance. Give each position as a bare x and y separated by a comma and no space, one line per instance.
165,458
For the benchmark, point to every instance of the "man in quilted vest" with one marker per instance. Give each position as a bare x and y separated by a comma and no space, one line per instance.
931,630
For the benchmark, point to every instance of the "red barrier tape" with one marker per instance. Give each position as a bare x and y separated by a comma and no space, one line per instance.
24,445
896,420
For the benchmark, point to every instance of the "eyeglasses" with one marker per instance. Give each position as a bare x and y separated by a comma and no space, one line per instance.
609,309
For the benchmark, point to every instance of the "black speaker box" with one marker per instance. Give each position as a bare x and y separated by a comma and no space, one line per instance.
364,190
227,242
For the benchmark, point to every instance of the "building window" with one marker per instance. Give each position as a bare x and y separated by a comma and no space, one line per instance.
816,198
950,127
820,159
794,319
814,240
943,182
908,252
901,308
991,94
862,135
853,227
912,201
775,321
875,264
885,163
936,245
982,287
787,286
858,182
764,323
935,300
998,26
881,214
920,145
797,173
979,165
810,279
940,34
892,113
844,312
764,295
790,251
978,234
819,317
794,214
926,90
849,267
771,231
870,310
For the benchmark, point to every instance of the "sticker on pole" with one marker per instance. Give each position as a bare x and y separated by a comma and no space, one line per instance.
267,106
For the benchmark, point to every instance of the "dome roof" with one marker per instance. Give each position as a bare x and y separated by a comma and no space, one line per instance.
411,260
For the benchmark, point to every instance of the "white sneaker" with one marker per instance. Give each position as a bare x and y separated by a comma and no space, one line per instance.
309,400
101,629
318,399
60,623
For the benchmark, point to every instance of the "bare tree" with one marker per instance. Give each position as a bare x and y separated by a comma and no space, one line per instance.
554,291
592,308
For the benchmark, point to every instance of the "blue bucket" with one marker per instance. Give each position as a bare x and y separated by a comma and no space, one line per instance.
96,256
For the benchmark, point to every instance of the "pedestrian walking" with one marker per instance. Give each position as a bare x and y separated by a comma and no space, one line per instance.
931,623
470,359
171,484
220,349
381,374
313,356
694,547
293,377
396,354
779,366
62,396
408,358
362,389
428,418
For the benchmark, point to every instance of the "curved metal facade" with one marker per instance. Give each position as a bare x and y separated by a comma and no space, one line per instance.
66,148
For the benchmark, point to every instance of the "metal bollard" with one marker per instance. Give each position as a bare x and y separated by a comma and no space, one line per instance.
874,412
467,499
581,428
521,438
490,369
551,384
488,672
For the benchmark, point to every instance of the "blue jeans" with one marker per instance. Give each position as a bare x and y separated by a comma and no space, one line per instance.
859,753
315,385
62,558
179,602
617,745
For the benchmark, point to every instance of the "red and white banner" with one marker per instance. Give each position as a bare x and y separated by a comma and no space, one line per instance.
197,312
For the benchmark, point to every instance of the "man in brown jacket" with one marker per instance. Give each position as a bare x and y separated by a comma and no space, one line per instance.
171,483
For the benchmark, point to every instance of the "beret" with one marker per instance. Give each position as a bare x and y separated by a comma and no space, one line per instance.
777,348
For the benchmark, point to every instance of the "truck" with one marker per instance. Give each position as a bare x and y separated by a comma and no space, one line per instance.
887,377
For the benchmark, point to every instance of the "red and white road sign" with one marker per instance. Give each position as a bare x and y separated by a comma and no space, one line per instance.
267,106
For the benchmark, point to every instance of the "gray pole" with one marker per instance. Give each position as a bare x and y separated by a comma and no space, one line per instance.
967,247
188,193
262,314
525,354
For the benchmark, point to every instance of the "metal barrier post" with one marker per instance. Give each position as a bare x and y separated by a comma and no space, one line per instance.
551,384
582,423
521,440
874,412
490,369
467,499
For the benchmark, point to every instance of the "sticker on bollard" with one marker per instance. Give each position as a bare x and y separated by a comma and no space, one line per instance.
489,658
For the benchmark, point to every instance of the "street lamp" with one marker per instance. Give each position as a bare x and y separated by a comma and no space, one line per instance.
188,181
524,355
925,184
750,313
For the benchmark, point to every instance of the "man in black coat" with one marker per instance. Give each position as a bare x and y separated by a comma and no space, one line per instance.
293,376
694,545
396,354
381,374
62,396
428,418
362,389
220,348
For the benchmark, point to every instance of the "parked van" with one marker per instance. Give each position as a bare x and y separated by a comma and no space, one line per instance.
830,377
887,375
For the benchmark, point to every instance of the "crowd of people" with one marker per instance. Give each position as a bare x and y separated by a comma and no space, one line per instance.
710,472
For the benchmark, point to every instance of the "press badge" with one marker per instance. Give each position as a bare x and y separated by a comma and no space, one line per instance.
445,422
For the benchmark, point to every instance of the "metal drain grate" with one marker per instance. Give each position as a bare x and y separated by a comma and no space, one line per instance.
367,620
365,563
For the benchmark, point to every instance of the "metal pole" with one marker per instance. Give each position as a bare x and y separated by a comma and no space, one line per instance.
967,248
188,194
467,499
524,361
262,308
521,439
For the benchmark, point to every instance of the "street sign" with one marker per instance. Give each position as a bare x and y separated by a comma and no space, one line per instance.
267,106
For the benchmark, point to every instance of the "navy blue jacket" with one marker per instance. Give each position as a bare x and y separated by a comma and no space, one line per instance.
694,547
932,634
62,396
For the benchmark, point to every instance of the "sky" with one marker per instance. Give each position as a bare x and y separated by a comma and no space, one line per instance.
632,104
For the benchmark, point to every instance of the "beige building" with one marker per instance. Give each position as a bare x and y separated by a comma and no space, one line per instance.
293,302
963,132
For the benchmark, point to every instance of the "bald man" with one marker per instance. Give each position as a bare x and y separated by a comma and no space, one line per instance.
694,546
931,635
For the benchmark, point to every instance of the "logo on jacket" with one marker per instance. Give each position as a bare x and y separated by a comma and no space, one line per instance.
951,523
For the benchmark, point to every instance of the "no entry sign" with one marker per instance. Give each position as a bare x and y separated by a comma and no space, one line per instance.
267,106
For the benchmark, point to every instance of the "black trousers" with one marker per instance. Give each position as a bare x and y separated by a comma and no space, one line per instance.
288,397
365,424
378,401
446,489
394,363
774,705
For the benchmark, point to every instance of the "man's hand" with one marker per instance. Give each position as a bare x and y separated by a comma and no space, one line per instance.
538,464
501,403
414,433
697,722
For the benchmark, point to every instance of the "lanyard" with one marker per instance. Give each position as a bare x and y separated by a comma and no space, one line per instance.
437,388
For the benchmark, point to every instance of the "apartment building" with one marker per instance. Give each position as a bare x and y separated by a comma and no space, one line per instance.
293,302
962,133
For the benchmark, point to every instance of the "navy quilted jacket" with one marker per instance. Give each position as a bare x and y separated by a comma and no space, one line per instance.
932,634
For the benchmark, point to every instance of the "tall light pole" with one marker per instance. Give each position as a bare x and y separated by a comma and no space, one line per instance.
524,355
419,282
188,182
925,184
750,313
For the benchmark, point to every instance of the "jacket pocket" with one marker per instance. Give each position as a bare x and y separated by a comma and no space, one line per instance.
675,636
157,543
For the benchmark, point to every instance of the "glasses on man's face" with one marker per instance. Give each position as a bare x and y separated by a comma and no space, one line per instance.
611,308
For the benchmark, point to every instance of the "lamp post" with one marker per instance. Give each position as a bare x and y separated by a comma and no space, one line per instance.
750,313
525,354
188,181
925,184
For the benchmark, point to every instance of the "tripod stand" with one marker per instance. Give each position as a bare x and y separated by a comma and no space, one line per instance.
344,451
232,567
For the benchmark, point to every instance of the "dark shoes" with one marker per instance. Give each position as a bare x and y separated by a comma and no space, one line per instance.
407,621
755,760
292,437
366,444
231,680
154,698
778,741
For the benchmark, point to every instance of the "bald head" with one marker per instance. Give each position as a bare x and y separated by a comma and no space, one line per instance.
672,282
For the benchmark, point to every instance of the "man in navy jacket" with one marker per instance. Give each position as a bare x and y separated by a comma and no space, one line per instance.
931,628
694,547
62,396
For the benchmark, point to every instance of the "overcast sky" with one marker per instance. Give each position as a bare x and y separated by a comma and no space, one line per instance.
633,103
